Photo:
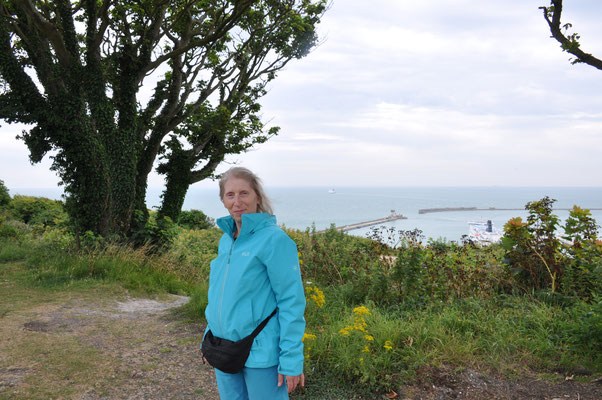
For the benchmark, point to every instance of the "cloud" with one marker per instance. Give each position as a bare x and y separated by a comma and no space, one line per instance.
401,92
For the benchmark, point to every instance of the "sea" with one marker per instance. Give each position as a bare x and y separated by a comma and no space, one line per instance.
306,207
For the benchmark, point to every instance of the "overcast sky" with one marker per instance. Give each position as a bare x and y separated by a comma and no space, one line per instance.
422,93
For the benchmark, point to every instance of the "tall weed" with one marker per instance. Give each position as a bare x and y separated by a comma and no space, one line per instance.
539,259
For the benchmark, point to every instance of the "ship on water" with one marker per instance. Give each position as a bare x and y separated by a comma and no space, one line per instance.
483,232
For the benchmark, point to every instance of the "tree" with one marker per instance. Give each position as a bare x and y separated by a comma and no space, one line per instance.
4,195
76,72
569,43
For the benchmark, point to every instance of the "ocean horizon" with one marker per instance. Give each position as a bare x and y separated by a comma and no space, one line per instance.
305,207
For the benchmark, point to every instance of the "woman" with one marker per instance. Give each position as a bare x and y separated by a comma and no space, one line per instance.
256,271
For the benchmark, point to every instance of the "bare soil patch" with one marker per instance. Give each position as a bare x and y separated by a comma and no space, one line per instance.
446,384
123,348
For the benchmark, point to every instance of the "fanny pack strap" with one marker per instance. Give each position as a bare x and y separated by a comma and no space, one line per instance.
262,325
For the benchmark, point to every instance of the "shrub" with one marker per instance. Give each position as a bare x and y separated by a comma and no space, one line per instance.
540,260
585,328
407,271
156,234
13,229
582,275
195,219
192,252
333,257
13,250
39,211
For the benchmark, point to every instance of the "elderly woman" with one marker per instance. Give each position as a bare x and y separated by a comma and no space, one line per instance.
255,274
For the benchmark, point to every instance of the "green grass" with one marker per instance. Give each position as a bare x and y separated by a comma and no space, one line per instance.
12,250
507,334
478,326
131,268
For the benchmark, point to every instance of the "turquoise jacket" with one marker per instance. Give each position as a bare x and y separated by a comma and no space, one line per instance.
250,277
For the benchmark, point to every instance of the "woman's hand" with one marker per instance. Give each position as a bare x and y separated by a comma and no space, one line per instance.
291,381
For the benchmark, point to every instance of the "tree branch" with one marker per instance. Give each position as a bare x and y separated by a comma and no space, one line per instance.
48,29
207,170
569,45
239,8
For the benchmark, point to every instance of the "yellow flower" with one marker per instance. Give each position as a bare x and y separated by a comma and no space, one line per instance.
361,360
344,331
359,327
388,345
361,311
308,336
368,337
366,350
316,295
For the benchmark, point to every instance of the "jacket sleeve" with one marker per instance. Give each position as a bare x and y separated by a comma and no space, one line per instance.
285,277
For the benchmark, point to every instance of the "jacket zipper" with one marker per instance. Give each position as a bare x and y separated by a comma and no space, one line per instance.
221,299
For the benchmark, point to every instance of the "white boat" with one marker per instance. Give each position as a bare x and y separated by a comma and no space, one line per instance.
483,232
331,191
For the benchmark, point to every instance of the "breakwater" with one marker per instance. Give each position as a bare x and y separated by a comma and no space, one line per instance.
445,209
344,228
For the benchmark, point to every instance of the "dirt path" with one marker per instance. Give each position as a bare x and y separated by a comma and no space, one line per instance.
123,348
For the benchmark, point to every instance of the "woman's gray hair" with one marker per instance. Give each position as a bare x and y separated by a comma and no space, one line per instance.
265,205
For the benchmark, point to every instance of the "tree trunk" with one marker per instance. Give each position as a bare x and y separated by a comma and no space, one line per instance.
178,171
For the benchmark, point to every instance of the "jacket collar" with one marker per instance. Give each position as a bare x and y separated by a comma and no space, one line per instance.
250,223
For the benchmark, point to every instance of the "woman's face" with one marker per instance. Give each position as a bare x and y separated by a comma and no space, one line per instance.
239,198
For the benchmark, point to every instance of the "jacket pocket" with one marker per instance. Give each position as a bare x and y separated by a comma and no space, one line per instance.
265,348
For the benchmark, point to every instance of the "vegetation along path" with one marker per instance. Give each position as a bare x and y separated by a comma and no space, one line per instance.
94,340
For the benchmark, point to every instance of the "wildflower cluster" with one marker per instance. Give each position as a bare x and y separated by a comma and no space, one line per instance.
316,295
308,337
360,325
359,322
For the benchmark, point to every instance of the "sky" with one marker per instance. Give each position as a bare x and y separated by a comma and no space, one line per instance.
420,93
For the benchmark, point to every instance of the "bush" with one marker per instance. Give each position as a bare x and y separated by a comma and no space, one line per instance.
13,229
195,219
585,328
156,234
39,211
333,257
582,251
396,267
192,251
540,260
13,250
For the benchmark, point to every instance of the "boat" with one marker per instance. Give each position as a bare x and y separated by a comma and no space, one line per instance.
331,191
483,232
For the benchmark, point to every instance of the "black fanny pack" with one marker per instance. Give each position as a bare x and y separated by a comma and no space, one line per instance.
229,356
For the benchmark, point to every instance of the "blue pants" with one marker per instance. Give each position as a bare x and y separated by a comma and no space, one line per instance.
251,384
